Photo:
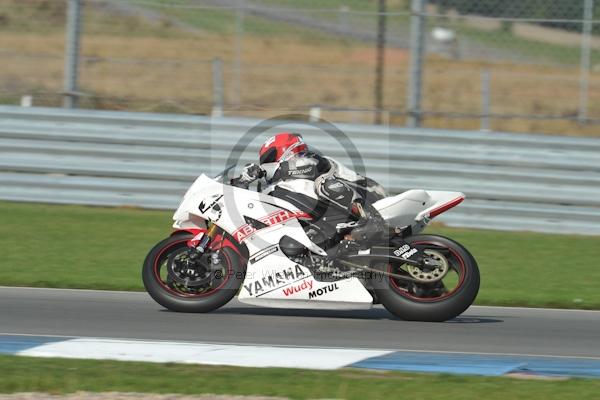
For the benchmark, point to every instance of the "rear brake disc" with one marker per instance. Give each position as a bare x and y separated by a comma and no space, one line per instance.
435,267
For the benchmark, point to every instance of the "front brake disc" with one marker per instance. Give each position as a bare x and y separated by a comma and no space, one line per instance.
185,272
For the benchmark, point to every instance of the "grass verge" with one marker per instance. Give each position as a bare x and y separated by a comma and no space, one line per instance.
103,248
23,374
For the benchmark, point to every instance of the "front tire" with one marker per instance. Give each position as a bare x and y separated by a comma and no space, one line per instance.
436,301
223,286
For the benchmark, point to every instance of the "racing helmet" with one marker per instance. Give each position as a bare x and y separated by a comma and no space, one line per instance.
282,147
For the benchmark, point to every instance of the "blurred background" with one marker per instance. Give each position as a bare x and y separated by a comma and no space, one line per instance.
502,65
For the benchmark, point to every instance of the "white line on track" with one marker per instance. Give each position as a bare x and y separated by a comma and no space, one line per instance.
308,347
202,353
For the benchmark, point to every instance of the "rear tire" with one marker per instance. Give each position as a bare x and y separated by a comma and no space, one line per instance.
431,306
178,299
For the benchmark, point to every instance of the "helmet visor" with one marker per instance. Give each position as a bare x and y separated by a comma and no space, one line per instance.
268,156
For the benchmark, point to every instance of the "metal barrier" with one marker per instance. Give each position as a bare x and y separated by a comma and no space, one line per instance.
513,182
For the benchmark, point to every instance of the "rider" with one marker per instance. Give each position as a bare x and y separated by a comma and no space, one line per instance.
285,159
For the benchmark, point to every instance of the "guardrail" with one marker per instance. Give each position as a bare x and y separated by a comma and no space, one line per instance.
512,181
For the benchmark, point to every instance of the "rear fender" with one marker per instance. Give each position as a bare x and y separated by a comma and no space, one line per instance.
440,202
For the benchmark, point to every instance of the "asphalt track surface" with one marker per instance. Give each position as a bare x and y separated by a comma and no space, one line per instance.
489,330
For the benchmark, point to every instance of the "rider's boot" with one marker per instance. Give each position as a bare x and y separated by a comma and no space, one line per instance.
372,228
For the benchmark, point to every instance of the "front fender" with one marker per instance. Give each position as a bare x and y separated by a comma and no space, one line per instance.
191,231
219,241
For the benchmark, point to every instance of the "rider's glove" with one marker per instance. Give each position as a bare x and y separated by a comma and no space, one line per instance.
251,172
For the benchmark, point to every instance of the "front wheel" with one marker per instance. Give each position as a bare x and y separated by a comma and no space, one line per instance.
182,282
442,290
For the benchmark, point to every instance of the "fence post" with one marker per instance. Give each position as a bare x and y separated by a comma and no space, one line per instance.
73,37
237,61
217,78
486,102
27,101
380,62
586,60
417,52
342,19
314,114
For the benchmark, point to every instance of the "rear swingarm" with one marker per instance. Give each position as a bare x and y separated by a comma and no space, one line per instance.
369,269
387,254
385,257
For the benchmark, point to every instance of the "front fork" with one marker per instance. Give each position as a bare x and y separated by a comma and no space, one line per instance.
199,244
202,240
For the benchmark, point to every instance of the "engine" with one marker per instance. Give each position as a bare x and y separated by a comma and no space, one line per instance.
324,268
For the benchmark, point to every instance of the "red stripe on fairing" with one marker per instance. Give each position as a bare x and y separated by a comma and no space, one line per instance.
437,211
303,215
275,218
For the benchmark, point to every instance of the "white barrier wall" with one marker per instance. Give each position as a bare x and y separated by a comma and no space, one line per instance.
512,181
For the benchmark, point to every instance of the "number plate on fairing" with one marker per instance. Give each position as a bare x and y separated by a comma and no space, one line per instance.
405,251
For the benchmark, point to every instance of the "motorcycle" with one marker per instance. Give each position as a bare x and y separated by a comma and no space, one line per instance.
290,252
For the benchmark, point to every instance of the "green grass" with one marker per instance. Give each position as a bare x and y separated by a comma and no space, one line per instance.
103,248
77,247
223,21
21,374
214,20
353,5
530,50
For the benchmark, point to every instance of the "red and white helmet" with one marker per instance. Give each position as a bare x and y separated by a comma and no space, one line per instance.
281,147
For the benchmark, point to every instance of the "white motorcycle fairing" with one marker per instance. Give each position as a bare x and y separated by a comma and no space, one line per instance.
260,221
272,279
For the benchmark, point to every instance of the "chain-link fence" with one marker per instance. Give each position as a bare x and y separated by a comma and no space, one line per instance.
517,65
527,65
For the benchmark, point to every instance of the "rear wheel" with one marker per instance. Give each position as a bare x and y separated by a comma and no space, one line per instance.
180,281
441,290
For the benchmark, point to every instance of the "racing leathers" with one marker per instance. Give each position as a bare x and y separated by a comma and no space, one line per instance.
331,183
